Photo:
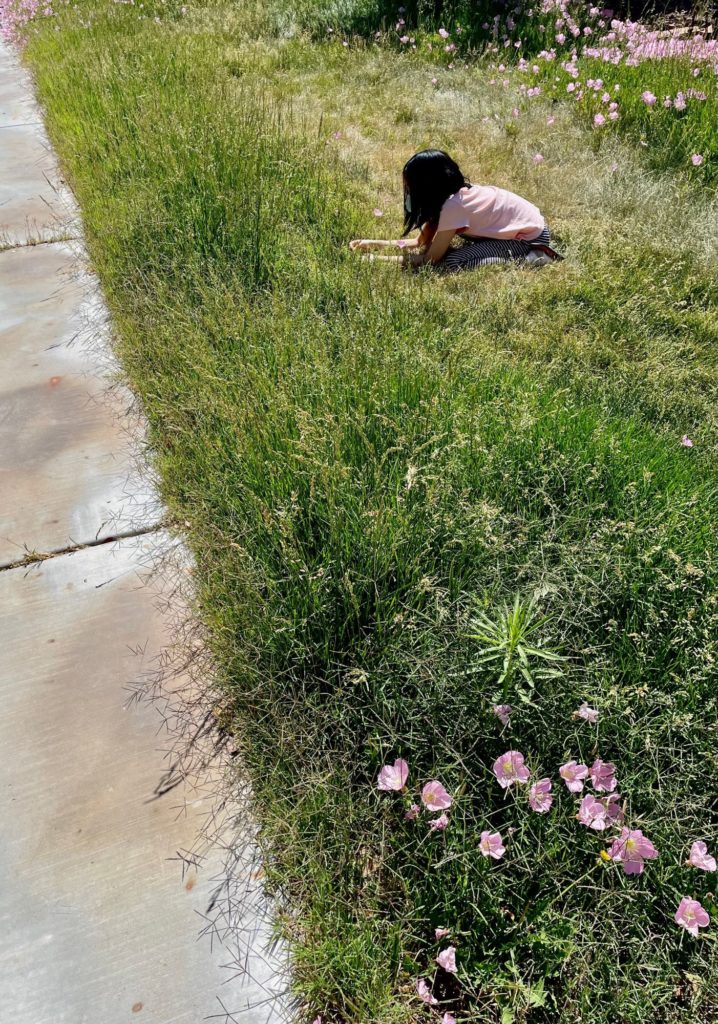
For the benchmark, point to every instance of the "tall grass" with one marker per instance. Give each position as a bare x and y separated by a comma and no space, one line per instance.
364,459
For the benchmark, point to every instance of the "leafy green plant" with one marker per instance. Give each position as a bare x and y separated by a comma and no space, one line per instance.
510,640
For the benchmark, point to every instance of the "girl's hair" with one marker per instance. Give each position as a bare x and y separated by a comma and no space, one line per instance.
430,177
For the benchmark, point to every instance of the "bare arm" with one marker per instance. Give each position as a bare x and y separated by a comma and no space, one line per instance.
367,244
440,242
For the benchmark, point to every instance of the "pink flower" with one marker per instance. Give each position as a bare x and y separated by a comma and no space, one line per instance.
631,849
588,714
337,135
571,87
686,441
599,120
502,712
700,858
317,1020
540,798
614,811
603,776
413,813
439,933
448,1018
592,813
538,158
443,33
573,775
377,212
680,102
691,916
492,845
424,993
614,168
404,39
550,121
447,959
439,824
435,797
434,81
393,776
648,98
696,159
510,768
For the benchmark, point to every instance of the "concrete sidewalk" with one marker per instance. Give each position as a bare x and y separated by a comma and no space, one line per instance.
115,907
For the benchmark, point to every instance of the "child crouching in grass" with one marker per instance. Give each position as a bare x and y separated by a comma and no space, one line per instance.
495,226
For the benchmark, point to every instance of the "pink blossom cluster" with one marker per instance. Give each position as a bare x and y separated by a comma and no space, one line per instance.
434,797
16,15
599,811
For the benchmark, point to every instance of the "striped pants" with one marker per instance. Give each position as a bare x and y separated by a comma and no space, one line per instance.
481,252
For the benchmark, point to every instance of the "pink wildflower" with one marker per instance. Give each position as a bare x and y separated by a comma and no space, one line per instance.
439,824
550,120
700,858
603,776
680,102
599,120
691,916
439,933
540,798
648,98
424,993
614,811
443,33
686,441
510,768
573,775
631,849
696,159
538,158
447,959
502,712
377,212
435,797
413,813
592,813
393,776
404,39
448,1018
588,714
492,845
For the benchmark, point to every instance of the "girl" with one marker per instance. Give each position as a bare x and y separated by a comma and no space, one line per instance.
495,226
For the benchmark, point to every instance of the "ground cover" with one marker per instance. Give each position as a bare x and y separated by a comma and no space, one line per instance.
371,465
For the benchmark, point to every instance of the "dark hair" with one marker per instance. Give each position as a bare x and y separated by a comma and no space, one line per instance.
430,177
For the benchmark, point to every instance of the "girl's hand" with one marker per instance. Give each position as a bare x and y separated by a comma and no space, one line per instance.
413,259
360,245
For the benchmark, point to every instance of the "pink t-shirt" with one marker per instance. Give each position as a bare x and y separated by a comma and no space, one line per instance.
484,211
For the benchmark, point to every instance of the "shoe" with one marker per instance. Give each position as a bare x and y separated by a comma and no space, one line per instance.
537,259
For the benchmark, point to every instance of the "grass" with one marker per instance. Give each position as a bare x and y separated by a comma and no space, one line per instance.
370,461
